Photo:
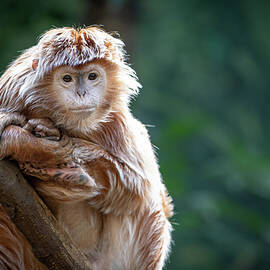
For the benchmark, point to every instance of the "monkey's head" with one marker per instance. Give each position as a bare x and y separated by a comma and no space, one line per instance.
75,77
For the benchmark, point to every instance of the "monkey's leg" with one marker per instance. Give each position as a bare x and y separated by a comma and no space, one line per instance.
15,251
7,119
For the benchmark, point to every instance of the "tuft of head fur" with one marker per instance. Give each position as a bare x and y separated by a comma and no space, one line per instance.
71,47
24,88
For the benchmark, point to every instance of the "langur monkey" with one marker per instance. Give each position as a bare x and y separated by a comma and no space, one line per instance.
64,117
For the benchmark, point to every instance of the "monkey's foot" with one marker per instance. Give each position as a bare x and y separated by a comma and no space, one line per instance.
43,128
71,174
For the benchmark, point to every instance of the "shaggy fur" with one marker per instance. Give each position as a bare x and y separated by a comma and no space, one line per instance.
101,179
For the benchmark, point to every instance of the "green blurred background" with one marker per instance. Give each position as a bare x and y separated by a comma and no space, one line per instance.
204,66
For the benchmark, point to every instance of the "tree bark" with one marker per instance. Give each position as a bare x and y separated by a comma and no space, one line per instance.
51,245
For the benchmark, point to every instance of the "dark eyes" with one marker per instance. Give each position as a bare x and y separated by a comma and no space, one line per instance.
92,76
67,78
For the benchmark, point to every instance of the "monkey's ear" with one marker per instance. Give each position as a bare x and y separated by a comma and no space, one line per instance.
35,64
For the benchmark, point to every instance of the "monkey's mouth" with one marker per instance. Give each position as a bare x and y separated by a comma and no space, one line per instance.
83,109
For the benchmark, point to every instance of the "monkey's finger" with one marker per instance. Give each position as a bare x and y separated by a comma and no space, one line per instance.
72,176
42,128
48,132
28,127
52,138
43,121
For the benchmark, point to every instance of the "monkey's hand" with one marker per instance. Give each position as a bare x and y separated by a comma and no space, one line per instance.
7,119
19,144
70,174
50,161
43,128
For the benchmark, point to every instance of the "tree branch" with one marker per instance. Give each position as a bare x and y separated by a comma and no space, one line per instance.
51,245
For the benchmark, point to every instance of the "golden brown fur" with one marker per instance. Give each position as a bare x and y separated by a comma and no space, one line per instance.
15,251
101,179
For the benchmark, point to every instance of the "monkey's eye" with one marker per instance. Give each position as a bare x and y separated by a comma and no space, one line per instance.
67,78
92,76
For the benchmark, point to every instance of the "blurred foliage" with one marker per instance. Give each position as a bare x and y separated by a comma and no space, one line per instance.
204,68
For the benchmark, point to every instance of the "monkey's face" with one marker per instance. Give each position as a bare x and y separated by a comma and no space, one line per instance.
79,90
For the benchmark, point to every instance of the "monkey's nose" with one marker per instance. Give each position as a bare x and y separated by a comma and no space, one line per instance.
81,92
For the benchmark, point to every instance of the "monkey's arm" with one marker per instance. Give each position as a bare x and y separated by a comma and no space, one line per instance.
75,169
91,174
107,182
21,145
123,186
7,119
